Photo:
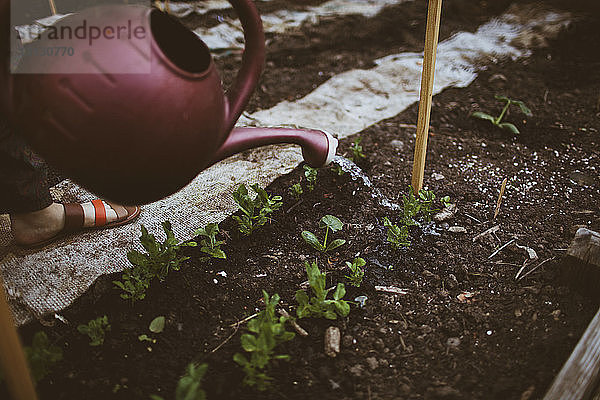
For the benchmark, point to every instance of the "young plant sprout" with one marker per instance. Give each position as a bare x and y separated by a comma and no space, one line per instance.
266,332
210,245
329,223
357,150
356,271
255,212
96,330
189,386
156,263
41,356
318,305
296,190
413,206
311,177
396,236
497,121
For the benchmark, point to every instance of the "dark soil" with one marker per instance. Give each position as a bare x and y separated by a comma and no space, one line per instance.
510,338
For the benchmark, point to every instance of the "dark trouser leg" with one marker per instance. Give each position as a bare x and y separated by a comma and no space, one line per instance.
23,175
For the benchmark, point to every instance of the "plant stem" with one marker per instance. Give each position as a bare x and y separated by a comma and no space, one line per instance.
497,121
325,242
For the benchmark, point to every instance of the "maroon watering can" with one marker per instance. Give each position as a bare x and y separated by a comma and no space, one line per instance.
135,121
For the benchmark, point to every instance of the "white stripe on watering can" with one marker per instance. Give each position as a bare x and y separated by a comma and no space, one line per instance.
229,35
44,282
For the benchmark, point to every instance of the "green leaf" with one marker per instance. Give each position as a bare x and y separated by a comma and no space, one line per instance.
248,342
157,325
240,359
212,229
342,307
244,202
482,115
148,241
145,338
189,386
119,284
524,109
359,262
137,258
215,253
335,244
301,297
83,329
501,98
340,291
312,240
331,222
330,314
509,127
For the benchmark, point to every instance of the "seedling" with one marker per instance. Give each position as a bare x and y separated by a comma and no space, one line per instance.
296,190
266,332
410,208
189,386
413,206
311,177
497,121
318,305
146,338
210,245
157,325
356,271
96,330
156,263
396,236
41,356
255,212
357,150
329,223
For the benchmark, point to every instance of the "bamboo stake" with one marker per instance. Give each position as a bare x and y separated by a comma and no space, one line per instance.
431,39
52,7
12,358
500,197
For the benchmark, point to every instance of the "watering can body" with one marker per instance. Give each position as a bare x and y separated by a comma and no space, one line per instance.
135,118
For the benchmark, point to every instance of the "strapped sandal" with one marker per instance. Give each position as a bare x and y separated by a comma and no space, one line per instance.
89,216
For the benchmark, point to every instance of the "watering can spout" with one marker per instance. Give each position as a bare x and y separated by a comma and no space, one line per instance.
318,147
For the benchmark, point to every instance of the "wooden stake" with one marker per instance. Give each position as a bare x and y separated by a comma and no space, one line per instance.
500,197
431,40
12,358
52,7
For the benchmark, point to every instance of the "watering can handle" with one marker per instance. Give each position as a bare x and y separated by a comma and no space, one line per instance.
252,61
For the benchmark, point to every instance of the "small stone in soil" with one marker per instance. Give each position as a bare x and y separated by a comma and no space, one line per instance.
332,341
453,342
447,213
457,229
398,144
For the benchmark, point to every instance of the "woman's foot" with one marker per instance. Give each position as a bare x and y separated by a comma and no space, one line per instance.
43,226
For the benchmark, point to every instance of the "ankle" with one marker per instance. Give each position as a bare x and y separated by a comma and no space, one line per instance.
37,225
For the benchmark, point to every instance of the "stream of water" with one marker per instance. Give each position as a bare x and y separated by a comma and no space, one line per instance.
356,173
